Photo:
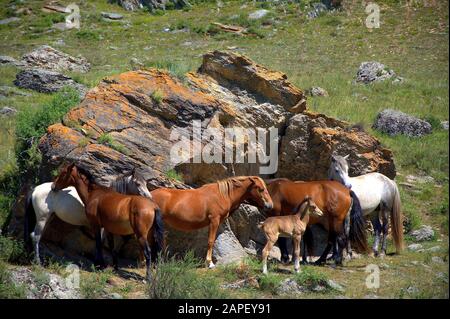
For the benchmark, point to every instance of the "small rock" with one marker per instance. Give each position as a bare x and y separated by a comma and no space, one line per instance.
317,11
9,91
166,29
115,295
412,290
7,111
112,16
334,285
9,20
442,276
48,58
444,125
7,60
317,91
437,260
319,288
288,287
395,122
415,262
371,296
45,81
434,249
258,14
415,247
384,266
61,26
423,233
373,71
24,11
419,179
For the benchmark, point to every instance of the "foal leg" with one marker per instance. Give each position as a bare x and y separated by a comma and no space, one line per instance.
377,229
213,226
265,254
297,240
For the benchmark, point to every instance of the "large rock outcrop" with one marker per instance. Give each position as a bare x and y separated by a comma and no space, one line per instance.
310,140
139,111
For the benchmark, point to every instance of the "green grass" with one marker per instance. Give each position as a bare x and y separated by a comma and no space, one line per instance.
177,278
174,175
157,96
93,284
9,289
108,140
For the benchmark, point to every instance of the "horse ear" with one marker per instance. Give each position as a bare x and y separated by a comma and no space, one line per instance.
346,156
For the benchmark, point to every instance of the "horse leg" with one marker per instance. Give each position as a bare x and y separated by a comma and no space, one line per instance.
265,254
110,238
213,226
377,229
98,261
385,227
331,241
148,255
36,238
307,245
297,240
282,244
347,236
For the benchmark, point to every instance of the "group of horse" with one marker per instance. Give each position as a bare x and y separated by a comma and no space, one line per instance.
127,207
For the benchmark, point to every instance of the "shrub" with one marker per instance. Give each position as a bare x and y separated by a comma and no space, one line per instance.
12,250
270,283
8,290
173,174
175,69
88,35
108,140
157,96
93,285
310,278
32,124
177,278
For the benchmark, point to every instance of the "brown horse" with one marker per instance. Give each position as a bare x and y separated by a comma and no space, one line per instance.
117,213
334,200
289,226
209,205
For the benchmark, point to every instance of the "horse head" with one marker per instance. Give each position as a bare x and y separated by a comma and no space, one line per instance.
339,170
140,183
68,176
258,194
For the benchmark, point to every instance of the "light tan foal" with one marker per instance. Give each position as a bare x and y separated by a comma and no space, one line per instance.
288,226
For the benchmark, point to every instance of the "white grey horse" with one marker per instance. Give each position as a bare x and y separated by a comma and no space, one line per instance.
379,197
67,205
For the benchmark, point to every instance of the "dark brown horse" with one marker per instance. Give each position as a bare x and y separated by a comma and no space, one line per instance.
209,205
117,213
334,200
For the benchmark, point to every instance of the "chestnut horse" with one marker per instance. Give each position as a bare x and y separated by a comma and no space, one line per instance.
210,205
334,200
117,213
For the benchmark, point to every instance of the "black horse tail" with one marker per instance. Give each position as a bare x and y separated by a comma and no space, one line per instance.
29,221
358,235
158,232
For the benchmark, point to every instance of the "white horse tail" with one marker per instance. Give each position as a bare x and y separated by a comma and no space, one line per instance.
396,220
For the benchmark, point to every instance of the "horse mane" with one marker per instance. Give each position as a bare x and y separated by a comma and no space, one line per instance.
227,185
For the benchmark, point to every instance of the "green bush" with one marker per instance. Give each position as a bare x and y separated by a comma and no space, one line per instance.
32,123
177,278
93,285
157,96
269,282
173,174
311,278
12,250
8,290
108,140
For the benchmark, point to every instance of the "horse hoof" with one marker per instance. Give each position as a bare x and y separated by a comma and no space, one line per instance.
211,266
319,263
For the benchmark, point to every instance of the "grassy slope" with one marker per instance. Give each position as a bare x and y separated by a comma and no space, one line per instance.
324,52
